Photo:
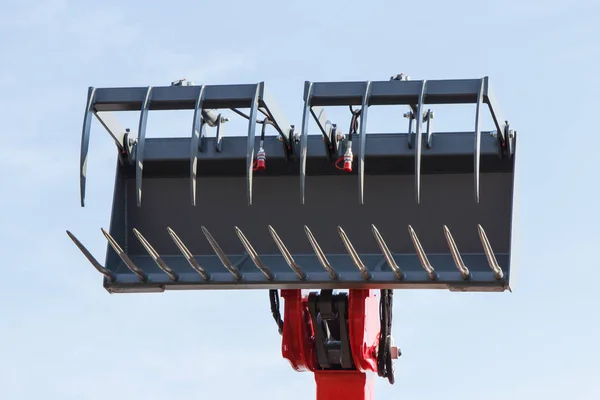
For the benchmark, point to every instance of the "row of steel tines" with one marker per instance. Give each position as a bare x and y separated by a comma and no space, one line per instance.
301,274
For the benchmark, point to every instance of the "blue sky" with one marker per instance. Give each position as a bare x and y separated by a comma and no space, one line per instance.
63,337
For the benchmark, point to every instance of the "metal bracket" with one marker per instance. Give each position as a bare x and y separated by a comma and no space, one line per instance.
220,134
427,117
411,117
328,313
326,128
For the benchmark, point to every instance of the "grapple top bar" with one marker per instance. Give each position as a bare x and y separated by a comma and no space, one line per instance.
233,234
396,92
176,97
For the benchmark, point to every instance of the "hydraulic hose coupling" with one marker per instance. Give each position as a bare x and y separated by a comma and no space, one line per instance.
348,160
261,159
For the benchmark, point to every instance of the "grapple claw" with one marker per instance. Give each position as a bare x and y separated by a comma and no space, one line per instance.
426,185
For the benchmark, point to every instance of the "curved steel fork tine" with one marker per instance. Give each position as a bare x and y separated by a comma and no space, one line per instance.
489,253
389,258
124,257
155,256
320,254
253,254
188,255
221,254
103,270
286,254
421,254
458,261
354,255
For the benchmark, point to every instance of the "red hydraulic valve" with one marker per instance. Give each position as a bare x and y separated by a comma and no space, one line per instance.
261,160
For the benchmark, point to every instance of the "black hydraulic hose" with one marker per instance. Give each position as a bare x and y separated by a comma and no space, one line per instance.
274,297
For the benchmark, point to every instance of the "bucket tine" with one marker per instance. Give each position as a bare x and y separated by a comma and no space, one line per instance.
421,254
197,131
304,141
85,142
489,253
320,254
458,261
156,257
419,142
254,255
107,273
221,254
363,142
286,254
124,257
478,138
250,148
389,258
139,155
354,255
188,255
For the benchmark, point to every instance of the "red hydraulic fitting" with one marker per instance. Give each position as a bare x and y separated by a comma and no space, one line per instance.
261,160
348,160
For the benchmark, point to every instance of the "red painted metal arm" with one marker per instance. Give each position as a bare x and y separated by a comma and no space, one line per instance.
298,345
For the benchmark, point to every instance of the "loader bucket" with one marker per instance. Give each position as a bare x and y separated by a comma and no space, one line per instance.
305,210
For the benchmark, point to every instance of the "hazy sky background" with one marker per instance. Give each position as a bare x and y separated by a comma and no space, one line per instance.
62,336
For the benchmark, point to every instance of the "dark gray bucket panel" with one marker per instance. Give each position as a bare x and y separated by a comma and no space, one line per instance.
331,201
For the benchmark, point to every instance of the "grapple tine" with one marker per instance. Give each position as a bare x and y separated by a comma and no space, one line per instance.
419,142
354,255
197,131
304,141
389,258
155,256
320,254
250,148
139,155
458,261
253,254
124,257
107,273
188,255
363,142
286,254
489,253
221,255
421,254
85,142
477,166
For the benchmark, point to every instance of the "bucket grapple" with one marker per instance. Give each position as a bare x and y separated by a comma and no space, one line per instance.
332,210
